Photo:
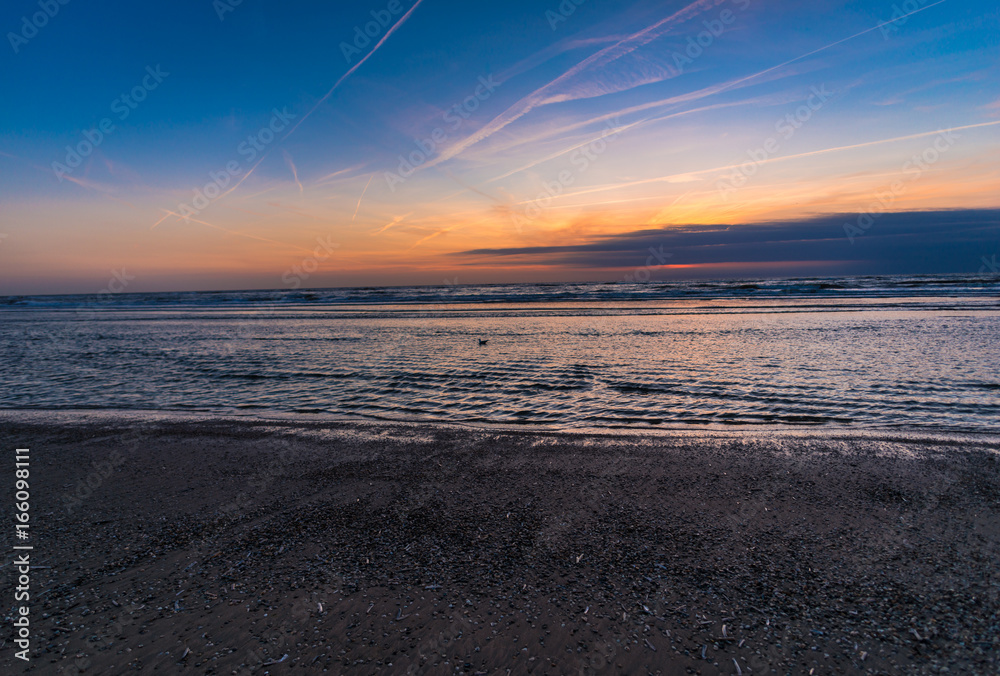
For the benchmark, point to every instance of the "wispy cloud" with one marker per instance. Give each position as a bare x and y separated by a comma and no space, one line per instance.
553,92
992,108
436,233
295,172
544,55
361,198
395,221
783,158
756,75
563,129
345,174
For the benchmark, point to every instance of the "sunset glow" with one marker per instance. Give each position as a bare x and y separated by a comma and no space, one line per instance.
227,162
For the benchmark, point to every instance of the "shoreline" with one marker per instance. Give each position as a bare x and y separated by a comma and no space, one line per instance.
831,431
214,545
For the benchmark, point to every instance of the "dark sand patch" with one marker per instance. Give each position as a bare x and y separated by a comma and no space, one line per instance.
218,547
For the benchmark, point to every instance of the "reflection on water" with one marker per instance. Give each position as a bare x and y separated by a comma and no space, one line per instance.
839,361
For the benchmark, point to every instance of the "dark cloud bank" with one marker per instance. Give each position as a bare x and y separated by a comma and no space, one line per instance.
924,242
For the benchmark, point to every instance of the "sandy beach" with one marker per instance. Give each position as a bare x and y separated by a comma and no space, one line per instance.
224,546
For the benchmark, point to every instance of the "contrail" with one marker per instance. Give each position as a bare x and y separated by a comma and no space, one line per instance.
604,117
709,91
533,100
473,188
295,172
232,232
362,197
339,172
327,95
606,133
245,177
434,234
395,221
354,68
165,217
773,159
536,98
832,44
84,182
91,185
258,193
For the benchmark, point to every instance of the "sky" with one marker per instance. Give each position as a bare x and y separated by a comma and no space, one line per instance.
199,145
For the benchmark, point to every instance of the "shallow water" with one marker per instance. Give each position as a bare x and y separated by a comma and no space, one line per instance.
871,353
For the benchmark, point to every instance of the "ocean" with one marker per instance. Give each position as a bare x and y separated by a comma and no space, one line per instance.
862,352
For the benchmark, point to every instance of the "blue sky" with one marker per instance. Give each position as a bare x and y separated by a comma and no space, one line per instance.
614,119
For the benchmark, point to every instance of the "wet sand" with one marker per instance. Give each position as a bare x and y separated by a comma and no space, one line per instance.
232,546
